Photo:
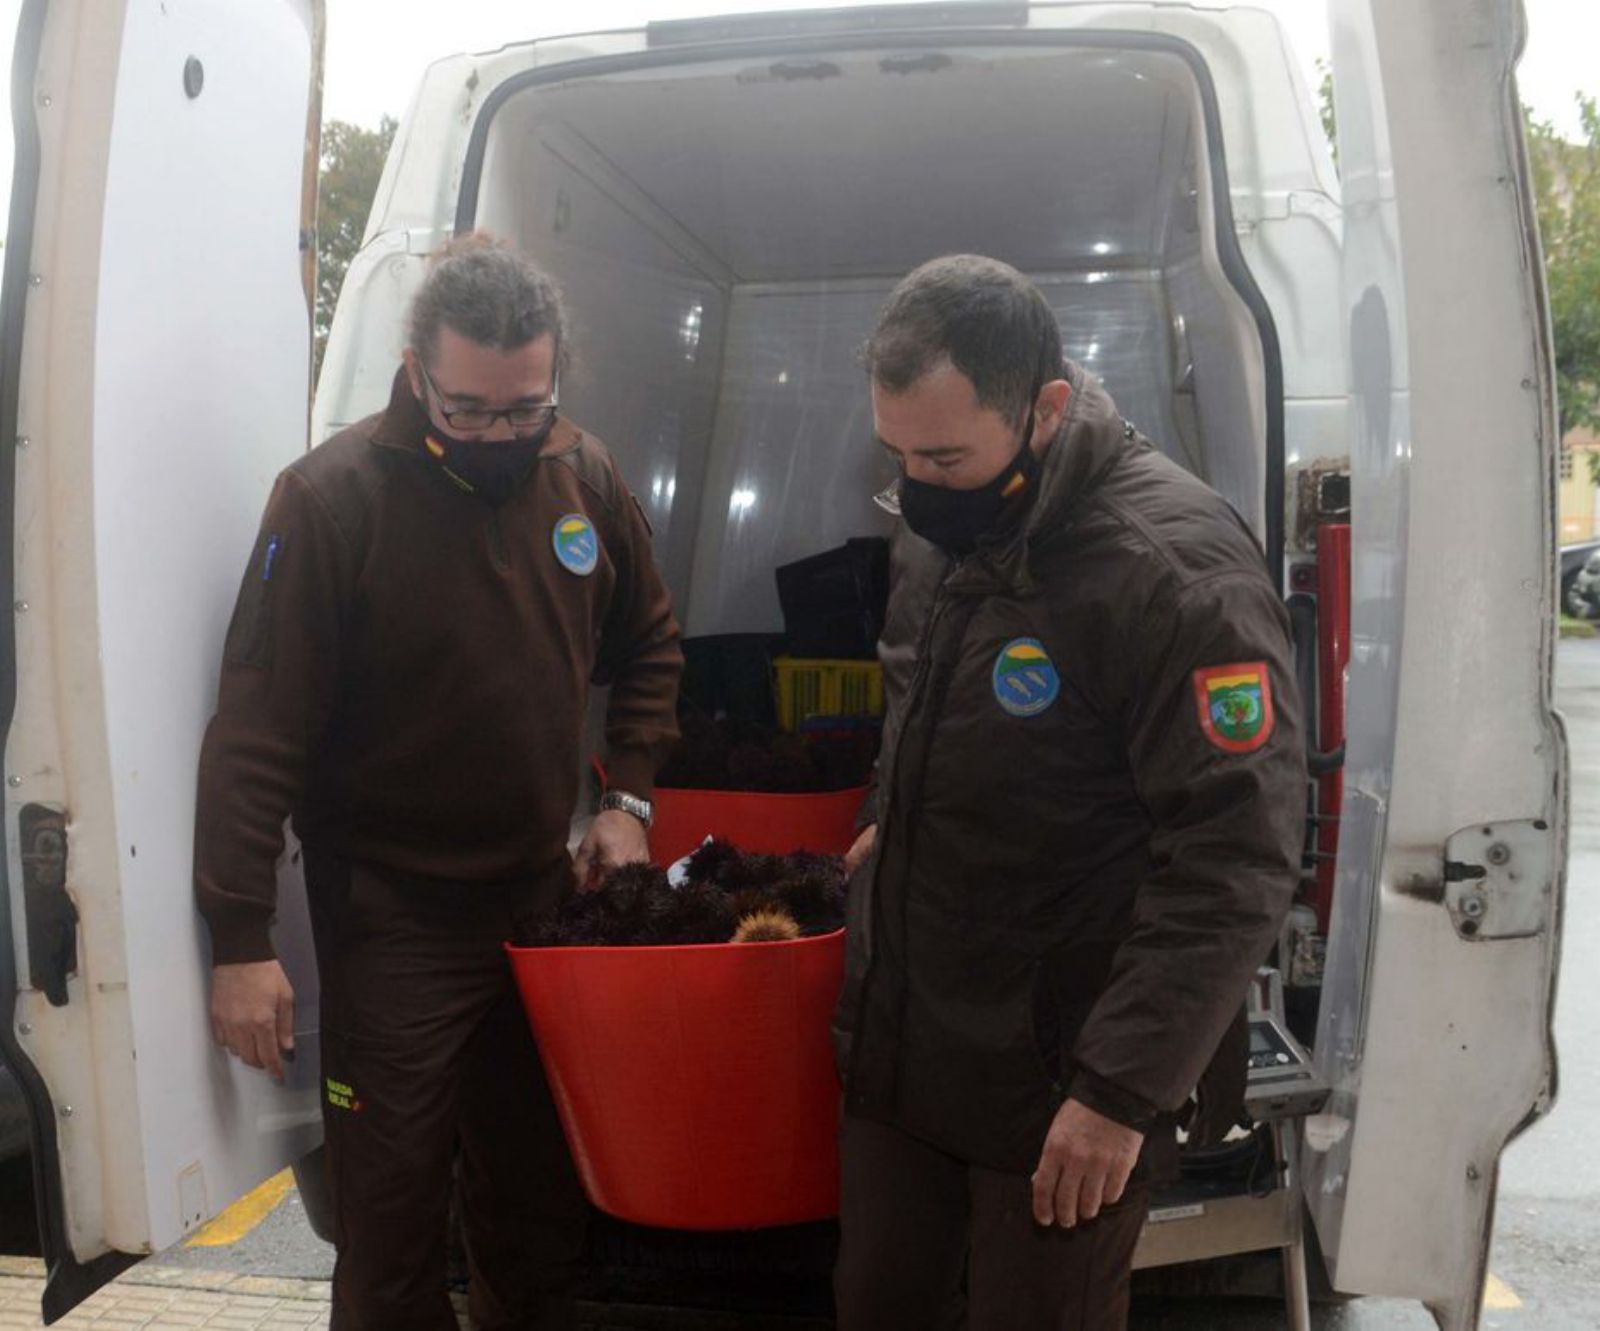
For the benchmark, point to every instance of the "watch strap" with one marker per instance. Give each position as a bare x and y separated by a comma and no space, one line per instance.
623,802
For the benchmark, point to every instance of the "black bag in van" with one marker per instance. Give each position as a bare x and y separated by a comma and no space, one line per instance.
834,603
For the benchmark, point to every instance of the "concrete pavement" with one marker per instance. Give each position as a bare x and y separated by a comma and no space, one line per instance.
157,1296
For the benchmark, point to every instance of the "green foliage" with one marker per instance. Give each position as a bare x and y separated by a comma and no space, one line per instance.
1566,187
1566,179
1330,122
352,162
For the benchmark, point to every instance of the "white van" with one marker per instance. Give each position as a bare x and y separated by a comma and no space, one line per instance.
726,203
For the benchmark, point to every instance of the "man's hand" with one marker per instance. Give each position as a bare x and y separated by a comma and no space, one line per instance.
858,854
252,1013
615,838
1085,1165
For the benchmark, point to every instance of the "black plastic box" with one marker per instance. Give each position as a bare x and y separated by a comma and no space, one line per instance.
730,674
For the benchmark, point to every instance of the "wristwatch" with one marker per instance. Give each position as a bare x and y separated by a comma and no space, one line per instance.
630,804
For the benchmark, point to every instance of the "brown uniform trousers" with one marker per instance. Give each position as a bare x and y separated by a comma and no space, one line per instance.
428,1066
932,1243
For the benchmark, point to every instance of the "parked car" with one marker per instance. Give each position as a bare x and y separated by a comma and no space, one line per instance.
1580,580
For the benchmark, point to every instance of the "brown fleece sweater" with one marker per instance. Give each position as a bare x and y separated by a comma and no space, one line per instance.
407,669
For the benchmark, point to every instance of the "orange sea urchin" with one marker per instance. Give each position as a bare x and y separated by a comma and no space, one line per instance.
766,926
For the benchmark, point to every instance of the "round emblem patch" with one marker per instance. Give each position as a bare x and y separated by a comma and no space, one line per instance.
1026,682
577,545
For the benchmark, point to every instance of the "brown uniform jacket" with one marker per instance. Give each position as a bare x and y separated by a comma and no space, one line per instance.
1090,802
407,669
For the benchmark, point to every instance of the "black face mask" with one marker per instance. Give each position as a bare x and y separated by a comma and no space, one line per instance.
956,520
489,468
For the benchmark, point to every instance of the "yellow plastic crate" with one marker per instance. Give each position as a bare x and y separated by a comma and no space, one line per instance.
810,688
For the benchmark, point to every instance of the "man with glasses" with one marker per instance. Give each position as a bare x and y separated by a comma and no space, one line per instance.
407,675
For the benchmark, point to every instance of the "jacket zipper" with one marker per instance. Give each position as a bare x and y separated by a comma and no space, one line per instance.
924,647
918,682
936,697
497,539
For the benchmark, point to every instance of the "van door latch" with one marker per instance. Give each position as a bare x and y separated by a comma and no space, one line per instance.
1498,880
52,918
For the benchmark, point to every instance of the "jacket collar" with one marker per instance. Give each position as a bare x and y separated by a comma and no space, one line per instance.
1092,439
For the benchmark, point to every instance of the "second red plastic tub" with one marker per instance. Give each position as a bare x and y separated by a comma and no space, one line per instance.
767,824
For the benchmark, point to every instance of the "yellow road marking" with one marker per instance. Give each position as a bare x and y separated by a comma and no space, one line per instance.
245,1214
1499,1296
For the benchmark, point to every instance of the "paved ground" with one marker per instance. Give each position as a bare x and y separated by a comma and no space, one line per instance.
267,1272
159,1297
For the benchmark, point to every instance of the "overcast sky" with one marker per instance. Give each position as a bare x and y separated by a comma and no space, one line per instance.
375,58
1563,54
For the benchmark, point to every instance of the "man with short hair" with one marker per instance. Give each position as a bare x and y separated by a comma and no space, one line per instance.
1085,833
406,673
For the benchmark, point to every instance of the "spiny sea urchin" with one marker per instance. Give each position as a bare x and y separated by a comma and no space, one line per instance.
635,905
766,926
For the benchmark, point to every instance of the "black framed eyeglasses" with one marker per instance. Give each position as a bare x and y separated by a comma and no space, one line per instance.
528,418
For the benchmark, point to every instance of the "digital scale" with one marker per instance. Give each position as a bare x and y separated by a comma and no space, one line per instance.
1281,1081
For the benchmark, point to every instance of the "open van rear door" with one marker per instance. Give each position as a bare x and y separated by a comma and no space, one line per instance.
1435,1024
153,379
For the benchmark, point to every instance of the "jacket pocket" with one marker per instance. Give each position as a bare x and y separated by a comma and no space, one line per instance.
1067,982
857,961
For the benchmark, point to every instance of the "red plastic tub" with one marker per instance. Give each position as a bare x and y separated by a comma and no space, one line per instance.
696,1084
767,824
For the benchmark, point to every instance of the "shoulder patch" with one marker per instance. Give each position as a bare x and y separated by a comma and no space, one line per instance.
249,639
1234,703
274,545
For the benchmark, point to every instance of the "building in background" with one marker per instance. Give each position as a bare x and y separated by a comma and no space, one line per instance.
1578,515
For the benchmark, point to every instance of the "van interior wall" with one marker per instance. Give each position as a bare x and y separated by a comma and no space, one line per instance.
647,316
725,237
1218,362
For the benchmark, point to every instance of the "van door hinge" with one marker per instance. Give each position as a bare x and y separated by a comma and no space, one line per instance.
1498,880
